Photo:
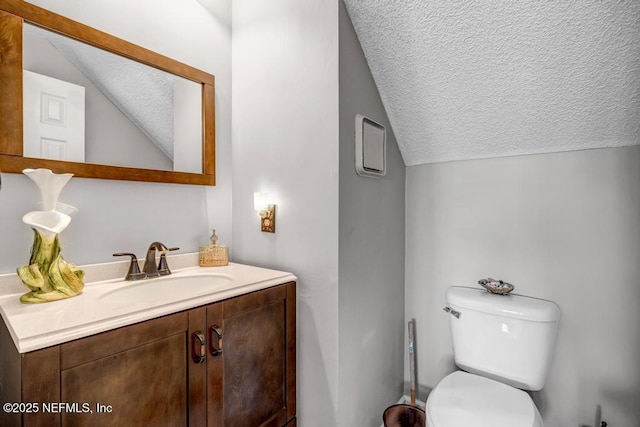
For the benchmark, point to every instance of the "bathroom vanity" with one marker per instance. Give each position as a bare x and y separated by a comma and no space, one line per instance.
219,358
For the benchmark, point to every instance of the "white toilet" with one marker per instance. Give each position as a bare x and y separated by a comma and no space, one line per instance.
503,343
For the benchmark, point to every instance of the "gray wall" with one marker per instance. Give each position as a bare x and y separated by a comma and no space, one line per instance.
285,143
563,227
114,216
120,216
371,238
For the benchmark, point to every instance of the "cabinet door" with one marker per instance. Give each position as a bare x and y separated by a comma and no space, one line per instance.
252,380
138,376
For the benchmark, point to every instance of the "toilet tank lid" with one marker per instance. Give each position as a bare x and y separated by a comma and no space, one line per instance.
516,306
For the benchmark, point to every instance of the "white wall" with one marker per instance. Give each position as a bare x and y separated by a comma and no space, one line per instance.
285,142
371,237
563,227
120,216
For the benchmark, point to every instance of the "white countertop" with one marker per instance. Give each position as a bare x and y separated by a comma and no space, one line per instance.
36,326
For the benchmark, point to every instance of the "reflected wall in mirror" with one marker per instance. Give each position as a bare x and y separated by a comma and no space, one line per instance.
132,114
98,106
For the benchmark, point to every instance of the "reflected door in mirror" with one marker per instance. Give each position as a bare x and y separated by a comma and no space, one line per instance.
53,118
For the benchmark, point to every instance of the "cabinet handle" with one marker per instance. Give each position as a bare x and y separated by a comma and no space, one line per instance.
199,347
216,344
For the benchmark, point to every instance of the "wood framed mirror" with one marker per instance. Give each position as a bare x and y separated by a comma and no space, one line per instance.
16,16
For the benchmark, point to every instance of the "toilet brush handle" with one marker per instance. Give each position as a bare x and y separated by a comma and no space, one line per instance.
412,364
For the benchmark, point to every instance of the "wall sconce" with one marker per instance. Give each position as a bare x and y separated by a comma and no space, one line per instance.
267,212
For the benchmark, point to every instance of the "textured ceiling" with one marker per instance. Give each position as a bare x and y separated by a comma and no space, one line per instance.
464,79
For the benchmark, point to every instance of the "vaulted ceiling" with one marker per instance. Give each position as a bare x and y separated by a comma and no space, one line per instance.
468,79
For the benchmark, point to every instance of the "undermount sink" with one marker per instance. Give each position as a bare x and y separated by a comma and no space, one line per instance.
167,288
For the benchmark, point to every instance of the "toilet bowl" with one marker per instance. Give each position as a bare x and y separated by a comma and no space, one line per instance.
462,399
503,344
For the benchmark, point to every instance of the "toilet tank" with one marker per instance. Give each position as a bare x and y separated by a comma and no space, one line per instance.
510,338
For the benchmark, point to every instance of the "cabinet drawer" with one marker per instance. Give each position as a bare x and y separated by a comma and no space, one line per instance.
84,350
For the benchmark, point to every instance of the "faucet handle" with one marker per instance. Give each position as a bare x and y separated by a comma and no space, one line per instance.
134,272
165,250
163,266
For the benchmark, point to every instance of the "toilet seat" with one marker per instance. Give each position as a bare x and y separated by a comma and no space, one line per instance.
462,399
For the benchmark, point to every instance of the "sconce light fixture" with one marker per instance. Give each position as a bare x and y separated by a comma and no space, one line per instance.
267,212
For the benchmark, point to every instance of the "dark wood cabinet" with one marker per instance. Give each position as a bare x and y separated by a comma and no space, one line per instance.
231,363
144,384
253,377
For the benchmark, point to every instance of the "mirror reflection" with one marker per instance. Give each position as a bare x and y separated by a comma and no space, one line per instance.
84,104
